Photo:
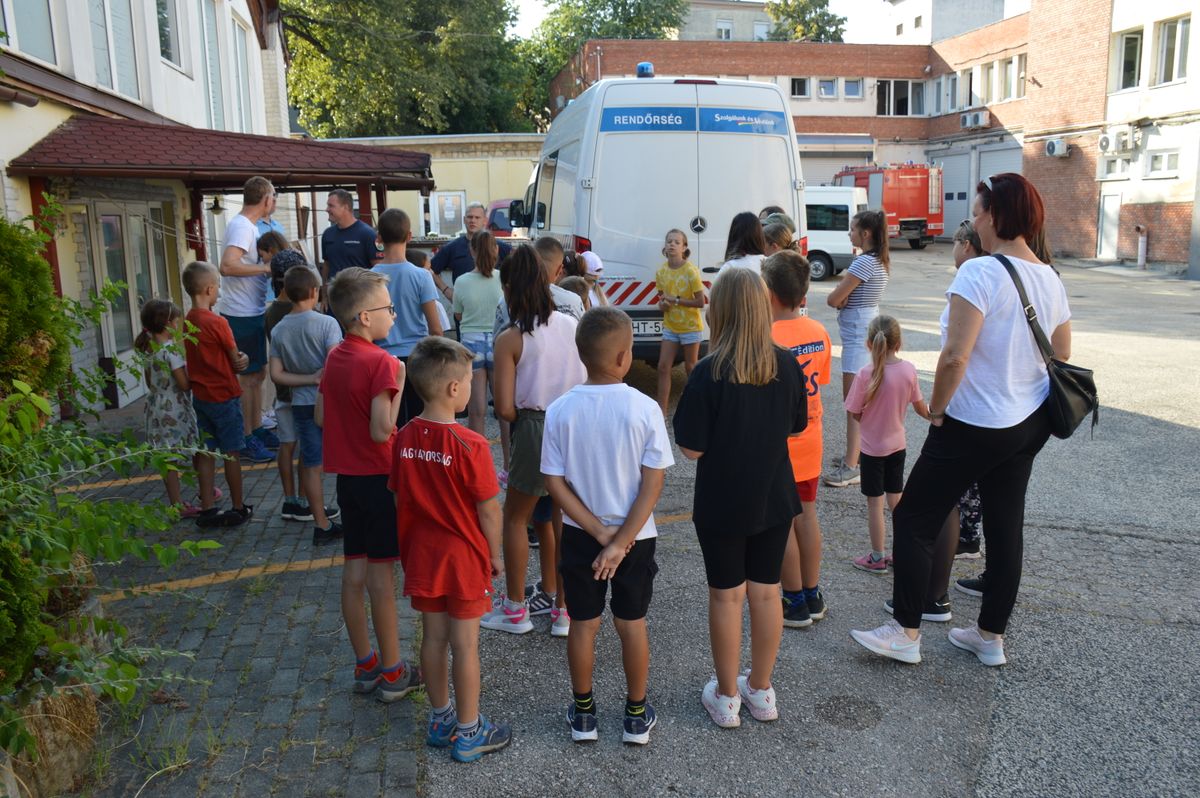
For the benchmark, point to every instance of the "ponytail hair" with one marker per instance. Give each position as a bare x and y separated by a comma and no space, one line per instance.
157,315
874,223
483,249
883,339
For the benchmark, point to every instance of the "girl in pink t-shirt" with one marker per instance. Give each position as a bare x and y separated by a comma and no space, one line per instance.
879,398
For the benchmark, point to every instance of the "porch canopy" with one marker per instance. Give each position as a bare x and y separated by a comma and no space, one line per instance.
217,162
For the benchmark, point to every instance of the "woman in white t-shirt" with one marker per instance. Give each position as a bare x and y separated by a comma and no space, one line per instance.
745,247
987,421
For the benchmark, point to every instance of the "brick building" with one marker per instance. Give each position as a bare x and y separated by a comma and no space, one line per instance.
1087,74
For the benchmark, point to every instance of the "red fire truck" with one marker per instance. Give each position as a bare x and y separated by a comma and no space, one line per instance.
910,194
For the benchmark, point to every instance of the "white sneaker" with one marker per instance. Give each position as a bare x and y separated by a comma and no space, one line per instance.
723,709
761,702
503,619
990,652
560,622
890,641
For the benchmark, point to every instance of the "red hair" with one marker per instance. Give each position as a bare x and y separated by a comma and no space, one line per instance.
1016,207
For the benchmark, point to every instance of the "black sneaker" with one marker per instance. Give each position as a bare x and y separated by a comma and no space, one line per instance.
323,537
540,603
234,517
533,538
205,518
938,611
536,587
971,585
967,550
795,614
637,727
583,725
295,511
817,607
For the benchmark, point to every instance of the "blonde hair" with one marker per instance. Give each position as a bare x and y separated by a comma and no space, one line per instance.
739,316
779,234
350,291
883,338
436,360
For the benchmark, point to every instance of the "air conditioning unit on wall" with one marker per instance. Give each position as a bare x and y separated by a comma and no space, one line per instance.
973,120
1057,148
1120,138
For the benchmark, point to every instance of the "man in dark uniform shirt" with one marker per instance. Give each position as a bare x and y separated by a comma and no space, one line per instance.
348,241
456,254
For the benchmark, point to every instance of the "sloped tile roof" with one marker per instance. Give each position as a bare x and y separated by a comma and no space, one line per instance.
87,145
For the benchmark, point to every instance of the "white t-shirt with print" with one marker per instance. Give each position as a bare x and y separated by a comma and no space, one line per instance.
1006,377
598,437
243,296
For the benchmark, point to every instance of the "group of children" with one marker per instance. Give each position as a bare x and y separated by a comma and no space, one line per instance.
422,489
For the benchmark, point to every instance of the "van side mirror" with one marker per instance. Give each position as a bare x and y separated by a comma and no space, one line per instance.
516,214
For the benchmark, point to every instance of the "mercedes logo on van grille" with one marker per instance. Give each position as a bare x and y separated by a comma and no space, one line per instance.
698,225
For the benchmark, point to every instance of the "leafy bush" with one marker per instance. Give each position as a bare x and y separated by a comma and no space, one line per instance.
21,599
33,341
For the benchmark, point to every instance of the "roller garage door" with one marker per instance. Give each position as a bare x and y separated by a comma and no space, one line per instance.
956,183
820,169
993,162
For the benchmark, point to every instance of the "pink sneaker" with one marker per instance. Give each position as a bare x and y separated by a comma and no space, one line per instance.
560,622
761,702
503,618
502,478
865,563
188,510
723,709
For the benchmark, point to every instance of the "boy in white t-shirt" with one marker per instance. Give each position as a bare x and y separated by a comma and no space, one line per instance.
607,487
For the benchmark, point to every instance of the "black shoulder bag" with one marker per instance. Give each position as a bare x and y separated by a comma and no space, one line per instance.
1072,388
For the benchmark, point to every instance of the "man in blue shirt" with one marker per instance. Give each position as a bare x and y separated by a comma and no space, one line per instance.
348,241
414,301
456,255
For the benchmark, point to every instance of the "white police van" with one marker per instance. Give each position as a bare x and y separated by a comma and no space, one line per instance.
828,211
632,158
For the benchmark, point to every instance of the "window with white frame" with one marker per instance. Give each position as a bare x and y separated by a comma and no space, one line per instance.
724,30
34,30
1129,60
1006,79
210,67
852,88
966,80
1019,91
1172,50
1115,168
762,31
987,75
827,88
241,67
937,96
917,23
916,94
899,98
952,92
1164,163
167,13
900,29
800,87
113,47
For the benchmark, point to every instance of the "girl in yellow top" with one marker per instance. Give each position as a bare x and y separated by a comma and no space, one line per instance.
681,295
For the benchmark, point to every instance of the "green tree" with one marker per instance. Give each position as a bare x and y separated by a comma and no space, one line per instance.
402,67
805,20
570,23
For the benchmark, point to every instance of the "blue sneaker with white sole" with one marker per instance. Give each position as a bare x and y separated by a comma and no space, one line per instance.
441,733
637,727
490,737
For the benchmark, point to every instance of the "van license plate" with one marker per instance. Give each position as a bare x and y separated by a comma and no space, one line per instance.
647,327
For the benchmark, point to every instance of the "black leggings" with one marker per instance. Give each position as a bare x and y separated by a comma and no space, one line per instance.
731,558
954,456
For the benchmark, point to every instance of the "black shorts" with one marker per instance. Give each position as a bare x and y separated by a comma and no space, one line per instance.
882,475
368,518
632,584
731,559
411,403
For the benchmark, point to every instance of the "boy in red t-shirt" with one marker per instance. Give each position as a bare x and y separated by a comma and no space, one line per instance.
357,402
213,362
448,517
787,276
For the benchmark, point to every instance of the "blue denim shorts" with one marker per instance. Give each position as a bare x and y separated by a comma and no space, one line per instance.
683,339
285,428
852,328
482,345
308,434
250,335
220,424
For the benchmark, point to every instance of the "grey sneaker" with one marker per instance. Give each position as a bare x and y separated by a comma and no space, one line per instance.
889,641
989,652
408,681
842,475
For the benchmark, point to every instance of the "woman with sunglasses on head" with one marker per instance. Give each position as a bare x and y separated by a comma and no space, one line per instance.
988,421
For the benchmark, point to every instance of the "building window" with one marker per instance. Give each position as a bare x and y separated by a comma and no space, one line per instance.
900,29
762,31
241,66
1020,84
827,88
852,88
1172,50
168,30
1115,168
724,30
211,68
1006,79
1162,164
987,74
800,87
916,23
967,82
35,33
916,93
937,96
113,45
952,92
899,98
1129,51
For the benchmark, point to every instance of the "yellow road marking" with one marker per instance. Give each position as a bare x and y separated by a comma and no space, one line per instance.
118,483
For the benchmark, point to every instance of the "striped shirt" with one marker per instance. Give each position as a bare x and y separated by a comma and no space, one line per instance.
868,268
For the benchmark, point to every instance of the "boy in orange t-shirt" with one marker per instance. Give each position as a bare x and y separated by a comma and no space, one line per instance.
448,522
787,275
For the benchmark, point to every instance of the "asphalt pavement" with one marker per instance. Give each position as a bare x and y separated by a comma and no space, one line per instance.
1101,695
